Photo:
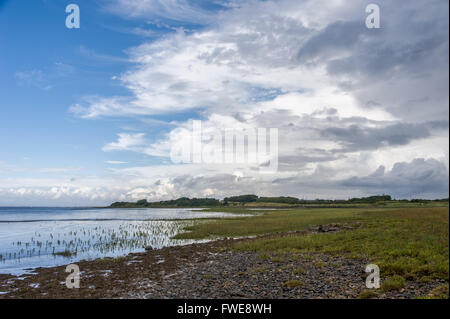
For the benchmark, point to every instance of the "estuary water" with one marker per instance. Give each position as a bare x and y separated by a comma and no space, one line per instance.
44,237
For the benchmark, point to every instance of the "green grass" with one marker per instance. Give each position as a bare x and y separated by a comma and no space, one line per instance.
320,264
278,259
410,242
393,283
299,271
266,222
233,210
367,294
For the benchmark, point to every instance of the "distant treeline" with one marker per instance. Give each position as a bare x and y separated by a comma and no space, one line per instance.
244,199
254,198
294,200
180,202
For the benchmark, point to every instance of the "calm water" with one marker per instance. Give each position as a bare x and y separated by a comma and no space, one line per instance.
35,237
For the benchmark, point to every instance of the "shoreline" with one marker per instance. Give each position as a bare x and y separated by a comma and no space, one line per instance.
208,270
83,249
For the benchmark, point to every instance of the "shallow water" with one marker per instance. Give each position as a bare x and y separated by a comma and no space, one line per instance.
35,237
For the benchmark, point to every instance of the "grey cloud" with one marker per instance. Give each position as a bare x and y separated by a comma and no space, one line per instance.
356,137
223,182
419,178
340,35
406,59
384,60
404,41
303,156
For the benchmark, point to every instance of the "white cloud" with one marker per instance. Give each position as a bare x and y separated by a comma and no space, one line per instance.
115,162
46,78
33,78
126,142
179,10
100,57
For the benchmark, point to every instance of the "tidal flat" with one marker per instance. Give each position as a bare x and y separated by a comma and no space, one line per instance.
45,237
296,253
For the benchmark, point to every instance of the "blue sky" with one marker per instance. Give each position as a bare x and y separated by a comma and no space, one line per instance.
88,116
47,67
35,123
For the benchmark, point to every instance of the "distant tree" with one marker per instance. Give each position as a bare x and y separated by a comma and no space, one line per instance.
371,199
142,202
241,198
280,199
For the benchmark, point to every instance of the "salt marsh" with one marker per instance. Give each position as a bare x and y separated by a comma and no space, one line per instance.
45,237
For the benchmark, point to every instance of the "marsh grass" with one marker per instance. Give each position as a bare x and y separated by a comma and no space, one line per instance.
410,242
320,264
86,238
270,221
65,253
395,282
299,271
367,294
232,210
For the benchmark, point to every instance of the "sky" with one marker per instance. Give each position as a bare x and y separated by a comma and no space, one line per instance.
90,115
